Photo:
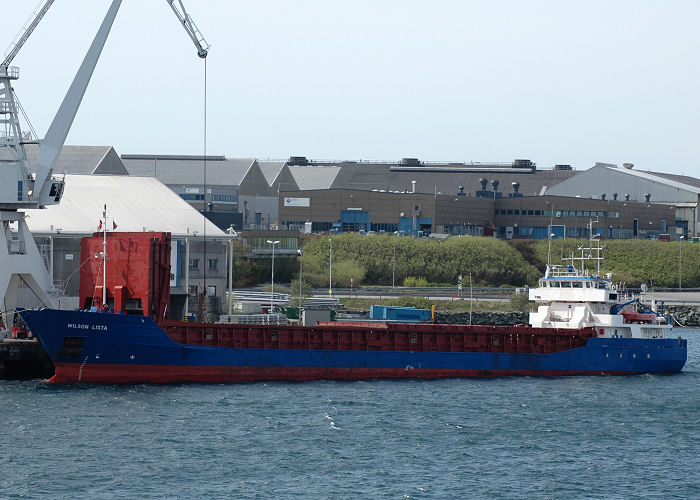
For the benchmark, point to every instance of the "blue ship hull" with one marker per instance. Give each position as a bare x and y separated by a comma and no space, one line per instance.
111,348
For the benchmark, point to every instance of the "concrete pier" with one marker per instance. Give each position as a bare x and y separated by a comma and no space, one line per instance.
23,359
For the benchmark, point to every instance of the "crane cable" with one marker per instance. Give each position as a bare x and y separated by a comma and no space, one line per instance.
206,206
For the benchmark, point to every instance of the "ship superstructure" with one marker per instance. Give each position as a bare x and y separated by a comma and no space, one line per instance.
574,298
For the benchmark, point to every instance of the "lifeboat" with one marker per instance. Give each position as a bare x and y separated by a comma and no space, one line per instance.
637,317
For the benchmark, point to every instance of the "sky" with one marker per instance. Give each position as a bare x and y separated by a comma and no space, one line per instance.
556,82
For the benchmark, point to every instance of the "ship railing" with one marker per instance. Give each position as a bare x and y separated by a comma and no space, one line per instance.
254,319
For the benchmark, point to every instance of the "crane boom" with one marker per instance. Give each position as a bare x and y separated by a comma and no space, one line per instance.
199,42
26,31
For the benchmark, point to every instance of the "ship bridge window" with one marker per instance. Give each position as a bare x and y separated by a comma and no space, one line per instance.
566,284
556,284
577,284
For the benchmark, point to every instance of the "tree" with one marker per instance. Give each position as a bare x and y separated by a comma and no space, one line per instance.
306,290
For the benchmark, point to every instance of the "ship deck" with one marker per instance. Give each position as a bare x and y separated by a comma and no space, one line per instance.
340,336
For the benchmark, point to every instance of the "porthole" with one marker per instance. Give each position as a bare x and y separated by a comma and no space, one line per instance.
648,355
606,354
619,355
634,354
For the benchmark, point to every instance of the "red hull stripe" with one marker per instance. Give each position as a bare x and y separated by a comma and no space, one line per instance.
159,374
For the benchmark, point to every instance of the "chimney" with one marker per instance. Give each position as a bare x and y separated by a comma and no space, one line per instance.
602,196
516,186
483,183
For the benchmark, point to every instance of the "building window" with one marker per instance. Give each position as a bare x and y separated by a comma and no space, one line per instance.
211,291
19,190
213,264
194,264
193,290
613,215
232,198
192,197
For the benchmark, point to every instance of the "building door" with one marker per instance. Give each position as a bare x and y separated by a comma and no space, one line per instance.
354,220
558,231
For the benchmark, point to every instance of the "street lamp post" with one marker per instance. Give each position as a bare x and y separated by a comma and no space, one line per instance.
233,234
330,267
471,298
393,267
680,260
301,266
272,279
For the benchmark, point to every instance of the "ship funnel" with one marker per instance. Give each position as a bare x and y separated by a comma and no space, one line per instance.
483,183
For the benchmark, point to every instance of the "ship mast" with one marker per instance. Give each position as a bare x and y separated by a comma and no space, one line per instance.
104,256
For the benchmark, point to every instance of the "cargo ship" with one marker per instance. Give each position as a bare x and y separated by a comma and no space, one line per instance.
585,326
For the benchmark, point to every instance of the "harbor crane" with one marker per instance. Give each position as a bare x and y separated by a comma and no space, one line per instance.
20,260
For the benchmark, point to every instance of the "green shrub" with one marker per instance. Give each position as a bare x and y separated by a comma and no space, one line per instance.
490,261
412,281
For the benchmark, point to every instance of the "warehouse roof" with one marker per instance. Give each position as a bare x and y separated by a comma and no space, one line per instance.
174,170
314,177
271,169
682,179
79,160
637,184
654,177
446,178
135,203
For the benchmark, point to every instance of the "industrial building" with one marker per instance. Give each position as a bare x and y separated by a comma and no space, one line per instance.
509,199
420,214
237,192
605,181
515,200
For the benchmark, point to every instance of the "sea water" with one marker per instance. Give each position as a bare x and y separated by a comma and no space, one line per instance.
518,437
